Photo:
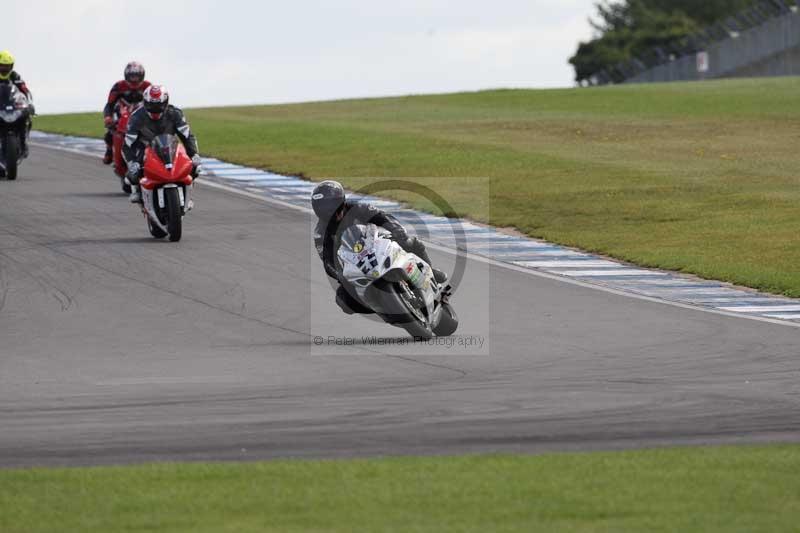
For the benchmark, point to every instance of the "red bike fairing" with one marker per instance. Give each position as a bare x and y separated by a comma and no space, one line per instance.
125,110
121,93
157,174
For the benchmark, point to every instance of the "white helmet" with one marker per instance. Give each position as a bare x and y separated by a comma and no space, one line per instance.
156,100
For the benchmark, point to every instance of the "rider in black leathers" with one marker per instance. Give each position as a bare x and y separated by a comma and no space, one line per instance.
155,118
11,76
336,214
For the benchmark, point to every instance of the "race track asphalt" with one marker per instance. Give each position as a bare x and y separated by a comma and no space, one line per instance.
117,348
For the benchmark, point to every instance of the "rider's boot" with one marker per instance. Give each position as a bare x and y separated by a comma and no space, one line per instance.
447,292
439,276
24,147
109,157
24,139
136,196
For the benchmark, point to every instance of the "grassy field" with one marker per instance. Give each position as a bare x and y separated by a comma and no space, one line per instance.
705,489
699,177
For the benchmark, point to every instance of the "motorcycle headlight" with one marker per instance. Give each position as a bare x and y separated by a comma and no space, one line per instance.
10,116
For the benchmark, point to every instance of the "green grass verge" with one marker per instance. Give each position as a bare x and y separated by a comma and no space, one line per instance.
697,177
724,489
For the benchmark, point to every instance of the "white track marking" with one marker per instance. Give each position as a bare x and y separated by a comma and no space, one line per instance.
580,263
762,308
612,273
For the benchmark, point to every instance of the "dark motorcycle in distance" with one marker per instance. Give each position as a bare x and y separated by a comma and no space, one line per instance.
15,119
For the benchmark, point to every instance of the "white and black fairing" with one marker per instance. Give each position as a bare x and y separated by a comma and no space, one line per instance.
398,285
327,232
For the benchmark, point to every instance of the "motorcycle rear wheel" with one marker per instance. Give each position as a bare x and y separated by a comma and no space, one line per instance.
448,322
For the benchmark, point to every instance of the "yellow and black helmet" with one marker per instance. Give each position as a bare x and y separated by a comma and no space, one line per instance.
6,64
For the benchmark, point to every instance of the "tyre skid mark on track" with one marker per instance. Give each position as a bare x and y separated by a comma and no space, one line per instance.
54,249
48,287
3,286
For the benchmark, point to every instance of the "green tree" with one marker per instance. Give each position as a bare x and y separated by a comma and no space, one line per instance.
628,29
704,12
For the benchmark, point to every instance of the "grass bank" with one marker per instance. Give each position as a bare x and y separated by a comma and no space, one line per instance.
694,177
724,489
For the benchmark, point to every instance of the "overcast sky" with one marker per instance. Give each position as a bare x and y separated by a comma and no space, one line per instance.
212,52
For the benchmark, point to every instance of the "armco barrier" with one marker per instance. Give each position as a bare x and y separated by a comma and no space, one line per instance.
771,49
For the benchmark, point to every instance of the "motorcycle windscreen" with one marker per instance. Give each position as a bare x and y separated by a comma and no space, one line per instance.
165,147
354,238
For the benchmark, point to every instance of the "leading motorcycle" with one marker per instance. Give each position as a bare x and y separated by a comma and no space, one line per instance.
398,285
166,186
14,125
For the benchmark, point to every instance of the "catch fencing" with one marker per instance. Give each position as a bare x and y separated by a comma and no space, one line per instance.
770,49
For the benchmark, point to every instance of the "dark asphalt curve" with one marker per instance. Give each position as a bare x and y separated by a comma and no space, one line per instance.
116,348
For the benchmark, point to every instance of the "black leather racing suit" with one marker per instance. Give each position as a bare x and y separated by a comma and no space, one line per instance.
142,129
328,233
15,79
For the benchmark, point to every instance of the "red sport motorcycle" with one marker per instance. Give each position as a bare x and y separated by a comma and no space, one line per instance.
122,114
166,186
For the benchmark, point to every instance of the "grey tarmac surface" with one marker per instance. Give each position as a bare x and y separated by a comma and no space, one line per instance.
117,348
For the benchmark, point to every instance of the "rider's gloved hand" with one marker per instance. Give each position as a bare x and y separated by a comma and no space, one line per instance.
32,109
411,244
108,121
197,167
133,172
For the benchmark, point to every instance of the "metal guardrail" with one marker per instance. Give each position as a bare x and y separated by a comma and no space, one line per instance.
755,41
769,49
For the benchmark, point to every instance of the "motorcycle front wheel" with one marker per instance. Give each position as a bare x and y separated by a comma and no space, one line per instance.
154,230
396,307
174,214
11,156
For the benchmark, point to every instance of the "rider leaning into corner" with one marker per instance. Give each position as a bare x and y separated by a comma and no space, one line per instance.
336,214
131,90
155,118
9,75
